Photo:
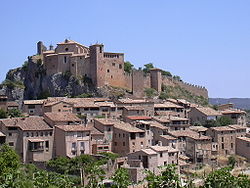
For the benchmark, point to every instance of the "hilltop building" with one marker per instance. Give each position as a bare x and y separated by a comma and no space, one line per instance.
104,68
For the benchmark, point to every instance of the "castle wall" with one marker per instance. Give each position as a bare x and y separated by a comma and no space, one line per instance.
196,90
139,83
51,64
128,81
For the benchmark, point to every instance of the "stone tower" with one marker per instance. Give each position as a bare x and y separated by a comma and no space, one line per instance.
156,79
96,62
40,48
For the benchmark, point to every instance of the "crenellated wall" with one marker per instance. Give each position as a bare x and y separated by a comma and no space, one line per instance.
195,89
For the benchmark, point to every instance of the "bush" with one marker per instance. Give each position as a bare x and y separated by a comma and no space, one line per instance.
150,92
128,67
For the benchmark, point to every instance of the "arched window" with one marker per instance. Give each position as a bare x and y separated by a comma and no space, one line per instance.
65,59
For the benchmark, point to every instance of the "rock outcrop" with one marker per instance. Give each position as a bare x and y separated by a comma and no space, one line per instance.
31,82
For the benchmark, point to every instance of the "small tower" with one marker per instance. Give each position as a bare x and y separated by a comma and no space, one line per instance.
156,79
40,48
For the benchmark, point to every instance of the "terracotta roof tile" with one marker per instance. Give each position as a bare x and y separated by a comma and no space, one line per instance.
72,128
61,116
29,123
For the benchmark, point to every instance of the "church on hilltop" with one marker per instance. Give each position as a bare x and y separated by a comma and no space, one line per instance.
103,68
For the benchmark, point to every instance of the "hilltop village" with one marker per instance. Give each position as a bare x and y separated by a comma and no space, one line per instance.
146,133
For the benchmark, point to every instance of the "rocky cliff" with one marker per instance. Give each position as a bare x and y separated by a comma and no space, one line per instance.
31,82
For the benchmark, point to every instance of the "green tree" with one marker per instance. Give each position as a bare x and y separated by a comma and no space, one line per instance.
223,121
163,95
166,73
147,67
95,176
9,160
231,161
150,92
128,67
121,178
3,114
167,179
220,179
14,113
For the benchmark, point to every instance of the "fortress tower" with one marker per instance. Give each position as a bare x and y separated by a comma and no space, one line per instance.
156,79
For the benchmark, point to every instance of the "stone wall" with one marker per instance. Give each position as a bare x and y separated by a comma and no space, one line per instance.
194,89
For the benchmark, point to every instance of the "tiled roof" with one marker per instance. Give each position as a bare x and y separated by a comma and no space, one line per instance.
130,108
12,103
232,111
244,138
164,119
72,128
198,128
208,111
168,137
139,117
127,127
222,128
61,116
149,151
29,123
163,148
1,134
167,104
238,127
132,101
119,125
190,134
155,124
27,102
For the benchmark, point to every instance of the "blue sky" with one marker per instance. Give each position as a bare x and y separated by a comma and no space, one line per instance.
205,42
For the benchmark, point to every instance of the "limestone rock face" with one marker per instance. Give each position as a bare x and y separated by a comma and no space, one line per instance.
31,82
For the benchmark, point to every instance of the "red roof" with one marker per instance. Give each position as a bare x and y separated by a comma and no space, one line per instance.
139,117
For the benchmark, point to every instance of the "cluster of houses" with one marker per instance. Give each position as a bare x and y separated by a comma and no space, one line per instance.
146,133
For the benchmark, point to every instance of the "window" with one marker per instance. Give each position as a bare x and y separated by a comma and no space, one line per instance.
79,134
65,59
46,133
66,49
41,134
222,146
47,144
73,145
27,134
11,143
82,146
232,145
120,66
160,154
123,143
10,134
123,135
222,139
107,70
113,64
132,136
32,134
78,109
115,143
50,133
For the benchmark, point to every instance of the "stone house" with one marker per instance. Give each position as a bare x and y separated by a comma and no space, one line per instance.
153,157
173,122
168,108
31,137
33,107
200,115
237,116
199,148
72,140
61,118
224,138
243,147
